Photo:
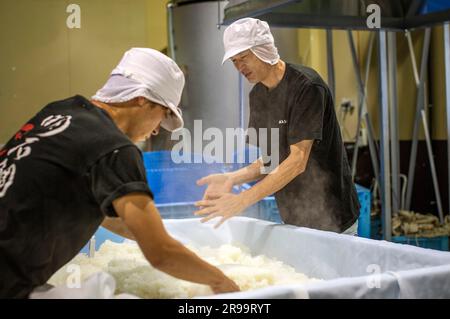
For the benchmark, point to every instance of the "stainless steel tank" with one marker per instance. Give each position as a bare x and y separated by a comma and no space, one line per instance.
212,92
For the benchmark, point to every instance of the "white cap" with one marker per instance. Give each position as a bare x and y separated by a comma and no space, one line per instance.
246,34
152,75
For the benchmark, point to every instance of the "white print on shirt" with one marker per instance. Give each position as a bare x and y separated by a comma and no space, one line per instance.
54,124
23,150
6,176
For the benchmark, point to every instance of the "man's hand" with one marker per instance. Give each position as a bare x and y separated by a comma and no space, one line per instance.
217,183
226,286
225,205
142,219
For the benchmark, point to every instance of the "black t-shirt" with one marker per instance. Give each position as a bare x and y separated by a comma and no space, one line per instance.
301,107
58,177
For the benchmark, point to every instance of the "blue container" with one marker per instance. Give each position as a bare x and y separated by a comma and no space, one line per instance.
175,192
173,183
376,231
364,221
437,243
434,6
101,235
175,189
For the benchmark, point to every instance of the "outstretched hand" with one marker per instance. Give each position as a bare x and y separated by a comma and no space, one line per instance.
217,183
224,205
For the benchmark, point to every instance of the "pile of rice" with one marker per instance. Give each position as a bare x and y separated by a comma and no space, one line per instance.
134,275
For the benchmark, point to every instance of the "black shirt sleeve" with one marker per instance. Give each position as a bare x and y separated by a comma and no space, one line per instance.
306,116
117,174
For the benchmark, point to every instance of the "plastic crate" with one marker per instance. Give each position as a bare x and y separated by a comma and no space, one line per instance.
265,209
364,222
101,235
376,231
437,243
175,192
432,6
173,183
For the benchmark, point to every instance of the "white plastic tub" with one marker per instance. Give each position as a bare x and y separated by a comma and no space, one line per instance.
352,267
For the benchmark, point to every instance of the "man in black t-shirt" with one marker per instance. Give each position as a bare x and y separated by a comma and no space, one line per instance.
74,167
312,183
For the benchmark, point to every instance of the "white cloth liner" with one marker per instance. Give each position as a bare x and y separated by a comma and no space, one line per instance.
346,263
98,286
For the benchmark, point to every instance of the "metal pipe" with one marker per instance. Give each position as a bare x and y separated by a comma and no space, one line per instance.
241,108
359,81
368,61
413,60
433,167
171,31
361,100
241,101
218,15
362,111
447,93
91,253
370,131
385,156
330,64
372,147
355,60
395,155
419,107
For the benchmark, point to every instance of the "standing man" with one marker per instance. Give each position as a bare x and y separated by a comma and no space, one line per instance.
74,166
312,184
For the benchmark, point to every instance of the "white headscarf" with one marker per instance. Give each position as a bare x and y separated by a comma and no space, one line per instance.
267,53
150,74
253,34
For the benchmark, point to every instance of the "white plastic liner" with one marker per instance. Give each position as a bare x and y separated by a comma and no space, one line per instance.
352,267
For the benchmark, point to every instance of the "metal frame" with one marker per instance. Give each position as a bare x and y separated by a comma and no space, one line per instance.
170,30
386,207
241,102
330,64
363,114
393,108
397,15
421,115
447,90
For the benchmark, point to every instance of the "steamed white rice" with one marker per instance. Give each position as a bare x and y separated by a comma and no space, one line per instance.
134,275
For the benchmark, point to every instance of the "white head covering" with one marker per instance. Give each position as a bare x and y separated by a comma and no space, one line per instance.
150,74
253,34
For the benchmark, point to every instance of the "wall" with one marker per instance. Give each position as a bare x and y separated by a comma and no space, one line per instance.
41,60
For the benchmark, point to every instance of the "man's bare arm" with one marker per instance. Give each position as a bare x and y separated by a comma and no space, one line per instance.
141,217
291,167
117,226
247,174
